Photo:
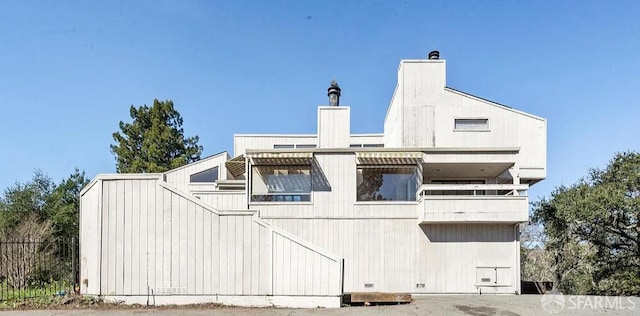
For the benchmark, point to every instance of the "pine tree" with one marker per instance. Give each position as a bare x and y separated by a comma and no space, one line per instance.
154,141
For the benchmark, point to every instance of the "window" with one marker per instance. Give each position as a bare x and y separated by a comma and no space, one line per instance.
209,175
366,145
291,183
387,183
290,146
471,124
306,146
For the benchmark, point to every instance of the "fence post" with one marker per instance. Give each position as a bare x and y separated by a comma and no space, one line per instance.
74,264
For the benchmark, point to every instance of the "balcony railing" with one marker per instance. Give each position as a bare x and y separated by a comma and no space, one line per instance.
469,203
473,190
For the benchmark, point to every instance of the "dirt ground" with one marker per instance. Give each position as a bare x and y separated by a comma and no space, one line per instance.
476,305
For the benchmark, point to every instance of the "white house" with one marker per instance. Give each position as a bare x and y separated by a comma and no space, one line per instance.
431,205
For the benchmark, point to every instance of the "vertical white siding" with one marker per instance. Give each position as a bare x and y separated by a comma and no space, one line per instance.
183,246
333,126
90,235
422,113
224,200
295,275
393,127
397,254
382,243
243,142
461,250
366,139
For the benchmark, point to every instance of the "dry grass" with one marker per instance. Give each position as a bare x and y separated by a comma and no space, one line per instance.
81,302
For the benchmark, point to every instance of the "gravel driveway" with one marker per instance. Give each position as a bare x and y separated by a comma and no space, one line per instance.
473,305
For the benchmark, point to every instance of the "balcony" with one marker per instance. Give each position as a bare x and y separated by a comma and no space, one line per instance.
473,203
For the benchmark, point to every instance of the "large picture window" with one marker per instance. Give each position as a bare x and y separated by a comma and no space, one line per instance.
387,183
281,183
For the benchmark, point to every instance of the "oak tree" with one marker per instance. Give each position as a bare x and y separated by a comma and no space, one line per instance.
593,230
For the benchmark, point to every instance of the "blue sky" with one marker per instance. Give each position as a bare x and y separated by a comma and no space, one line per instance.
69,70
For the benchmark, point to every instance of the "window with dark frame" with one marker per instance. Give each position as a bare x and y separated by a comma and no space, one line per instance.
206,176
283,146
387,182
281,183
471,124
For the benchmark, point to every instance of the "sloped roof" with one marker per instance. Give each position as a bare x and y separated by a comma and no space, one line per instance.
487,101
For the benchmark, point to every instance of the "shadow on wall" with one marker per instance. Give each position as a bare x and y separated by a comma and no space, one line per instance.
468,232
319,181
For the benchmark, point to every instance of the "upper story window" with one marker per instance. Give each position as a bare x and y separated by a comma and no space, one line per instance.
306,146
283,146
387,183
281,183
366,145
209,175
475,124
289,146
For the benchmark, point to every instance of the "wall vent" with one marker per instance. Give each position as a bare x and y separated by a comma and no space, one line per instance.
368,285
171,290
420,285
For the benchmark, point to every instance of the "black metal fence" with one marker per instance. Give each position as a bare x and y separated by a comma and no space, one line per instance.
30,269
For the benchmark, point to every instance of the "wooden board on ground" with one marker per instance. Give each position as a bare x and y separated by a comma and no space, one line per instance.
377,297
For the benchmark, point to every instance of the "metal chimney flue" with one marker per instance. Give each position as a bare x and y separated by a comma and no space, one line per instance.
334,93
434,54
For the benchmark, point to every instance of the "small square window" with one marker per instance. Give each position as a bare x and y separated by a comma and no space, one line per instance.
471,124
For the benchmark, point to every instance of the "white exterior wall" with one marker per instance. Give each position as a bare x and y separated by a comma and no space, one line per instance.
223,200
366,139
243,142
90,223
152,237
423,110
393,121
507,128
422,89
139,233
256,142
333,127
382,242
395,255
475,209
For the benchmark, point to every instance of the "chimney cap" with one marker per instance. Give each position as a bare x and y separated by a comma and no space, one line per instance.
334,86
334,93
434,54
